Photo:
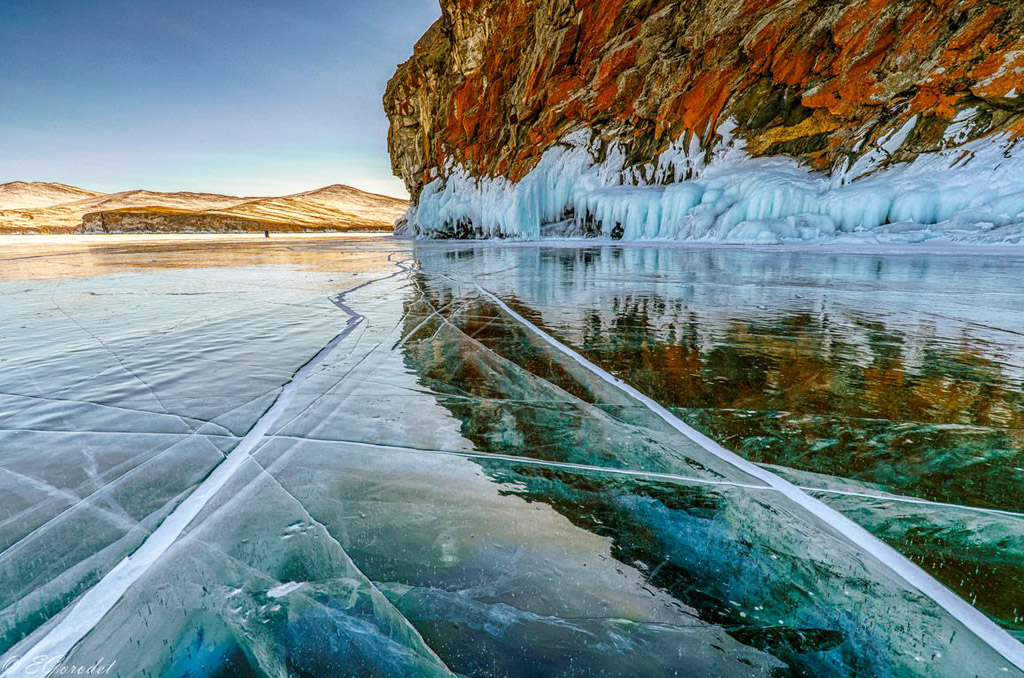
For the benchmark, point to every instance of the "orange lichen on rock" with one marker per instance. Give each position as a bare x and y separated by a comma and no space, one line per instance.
1001,73
819,123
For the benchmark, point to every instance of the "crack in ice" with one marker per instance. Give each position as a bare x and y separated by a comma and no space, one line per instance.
640,473
121,362
410,628
89,501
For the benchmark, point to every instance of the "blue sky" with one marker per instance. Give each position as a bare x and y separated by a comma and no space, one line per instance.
250,97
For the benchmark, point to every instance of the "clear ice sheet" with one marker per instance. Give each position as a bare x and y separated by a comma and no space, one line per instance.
447,495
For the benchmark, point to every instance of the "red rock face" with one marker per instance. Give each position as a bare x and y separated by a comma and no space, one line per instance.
494,83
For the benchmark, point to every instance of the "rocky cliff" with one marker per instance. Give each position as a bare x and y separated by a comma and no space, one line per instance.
495,84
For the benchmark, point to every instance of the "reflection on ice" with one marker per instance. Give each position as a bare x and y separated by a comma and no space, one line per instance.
899,372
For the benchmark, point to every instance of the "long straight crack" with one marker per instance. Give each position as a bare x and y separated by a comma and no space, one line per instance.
649,475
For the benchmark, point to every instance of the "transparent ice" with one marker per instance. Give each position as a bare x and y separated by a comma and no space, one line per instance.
444,493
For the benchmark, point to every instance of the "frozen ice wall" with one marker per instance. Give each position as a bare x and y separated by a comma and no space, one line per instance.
970,193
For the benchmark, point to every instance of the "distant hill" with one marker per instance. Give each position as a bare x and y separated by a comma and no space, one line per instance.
29,194
37,207
325,206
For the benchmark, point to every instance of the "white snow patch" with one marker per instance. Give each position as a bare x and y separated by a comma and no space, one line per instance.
884,148
960,128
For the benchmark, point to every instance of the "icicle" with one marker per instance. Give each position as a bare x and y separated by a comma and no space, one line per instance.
970,193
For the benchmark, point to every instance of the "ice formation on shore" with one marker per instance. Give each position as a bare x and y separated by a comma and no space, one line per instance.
970,192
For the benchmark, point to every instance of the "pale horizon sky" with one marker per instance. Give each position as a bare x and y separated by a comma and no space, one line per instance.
261,97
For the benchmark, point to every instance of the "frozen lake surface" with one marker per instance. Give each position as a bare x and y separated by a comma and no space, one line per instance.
366,456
